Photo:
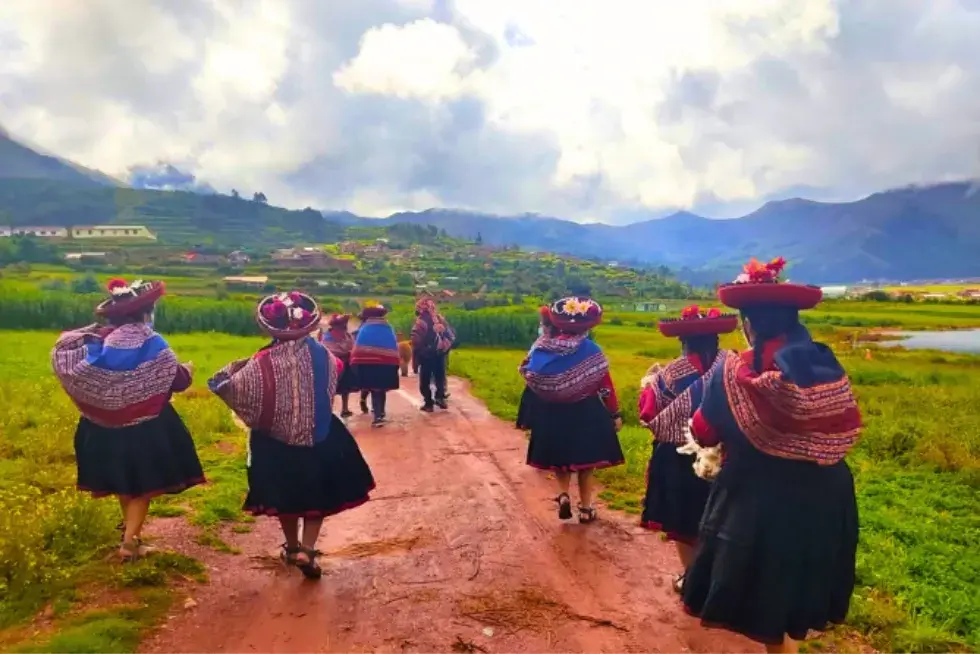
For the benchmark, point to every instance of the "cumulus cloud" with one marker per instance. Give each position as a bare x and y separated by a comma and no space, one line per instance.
593,111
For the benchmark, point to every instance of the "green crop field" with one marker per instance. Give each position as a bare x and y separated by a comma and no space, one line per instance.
917,469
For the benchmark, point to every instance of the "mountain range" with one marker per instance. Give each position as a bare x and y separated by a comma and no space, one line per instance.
909,233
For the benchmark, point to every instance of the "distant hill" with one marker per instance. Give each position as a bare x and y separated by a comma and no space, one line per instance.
176,217
916,232
19,161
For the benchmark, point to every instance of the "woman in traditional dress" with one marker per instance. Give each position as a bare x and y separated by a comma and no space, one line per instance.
129,442
570,404
676,496
340,343
432,338
776,549
302,461
375,359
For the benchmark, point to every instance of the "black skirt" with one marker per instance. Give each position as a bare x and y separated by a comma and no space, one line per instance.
776,551
292,481
675,496
376,377
348,380
149,459
567,437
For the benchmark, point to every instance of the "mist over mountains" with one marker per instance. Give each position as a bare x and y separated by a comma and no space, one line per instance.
910,233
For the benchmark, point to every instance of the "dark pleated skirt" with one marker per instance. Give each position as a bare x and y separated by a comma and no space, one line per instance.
348,381
776,551
313,482
375,377
149,459
568,437
675,496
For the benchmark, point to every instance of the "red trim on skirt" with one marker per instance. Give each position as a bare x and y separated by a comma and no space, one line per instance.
274,513
179,488
671,535
576,468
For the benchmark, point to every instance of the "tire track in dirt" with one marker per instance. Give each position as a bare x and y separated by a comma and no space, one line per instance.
459,550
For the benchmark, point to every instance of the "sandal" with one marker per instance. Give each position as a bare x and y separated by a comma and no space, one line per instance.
587,514
134,551
310,568
679,583
288,554
564,506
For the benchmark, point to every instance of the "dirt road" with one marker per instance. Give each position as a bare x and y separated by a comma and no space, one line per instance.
459,550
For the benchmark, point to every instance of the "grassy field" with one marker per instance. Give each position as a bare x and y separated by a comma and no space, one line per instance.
951,289
54,541
917,469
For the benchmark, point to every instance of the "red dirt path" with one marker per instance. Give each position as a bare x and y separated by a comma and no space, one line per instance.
459,550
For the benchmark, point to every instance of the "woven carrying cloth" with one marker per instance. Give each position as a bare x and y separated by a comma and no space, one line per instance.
564,369
284,390
375,344
339,342
803,408
677,400
117,377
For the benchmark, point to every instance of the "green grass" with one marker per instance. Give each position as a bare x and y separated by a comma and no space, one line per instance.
917,470
54,540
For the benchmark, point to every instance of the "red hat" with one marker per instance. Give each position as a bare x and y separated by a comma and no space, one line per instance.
127,300
373,310
759,286
288,316
694,322
573,315
338,320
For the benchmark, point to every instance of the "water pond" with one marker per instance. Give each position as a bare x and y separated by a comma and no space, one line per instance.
963,340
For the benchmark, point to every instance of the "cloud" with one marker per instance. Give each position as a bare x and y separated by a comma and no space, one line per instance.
166,177
593,111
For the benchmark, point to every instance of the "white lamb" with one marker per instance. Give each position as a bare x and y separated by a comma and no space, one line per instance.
707,460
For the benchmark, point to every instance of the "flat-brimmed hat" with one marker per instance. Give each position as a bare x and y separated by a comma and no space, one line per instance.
288,316
373,310
573,315
760,285
127,300
695,322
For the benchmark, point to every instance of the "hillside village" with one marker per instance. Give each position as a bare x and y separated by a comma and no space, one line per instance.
394,260
408,259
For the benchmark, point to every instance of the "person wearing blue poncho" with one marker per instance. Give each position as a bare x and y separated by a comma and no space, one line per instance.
570,404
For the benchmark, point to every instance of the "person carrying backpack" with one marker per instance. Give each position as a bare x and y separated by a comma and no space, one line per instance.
432,338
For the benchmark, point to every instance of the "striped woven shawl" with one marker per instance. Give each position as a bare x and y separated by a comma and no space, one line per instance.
116,377
285,390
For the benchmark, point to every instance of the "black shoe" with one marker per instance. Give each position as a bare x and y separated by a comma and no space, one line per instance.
346,413
428,408
378,422
442,404
564,506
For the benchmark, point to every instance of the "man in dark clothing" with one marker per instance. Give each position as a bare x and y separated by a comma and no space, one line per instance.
432,337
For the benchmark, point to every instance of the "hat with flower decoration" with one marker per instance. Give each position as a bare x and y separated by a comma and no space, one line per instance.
126,300
372,309
338,320
695,322
288,316
573,315
761,285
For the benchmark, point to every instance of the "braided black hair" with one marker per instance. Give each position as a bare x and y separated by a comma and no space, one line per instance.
704,346
769,323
